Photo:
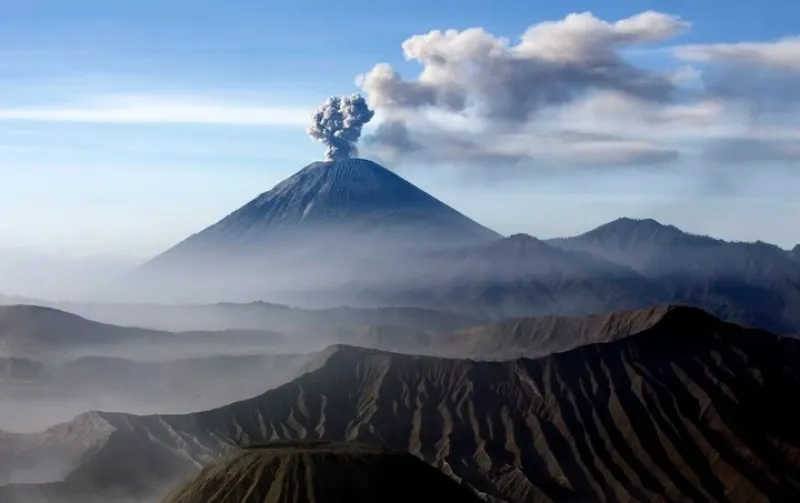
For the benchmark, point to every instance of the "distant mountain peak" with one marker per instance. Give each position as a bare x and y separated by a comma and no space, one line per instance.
631,226
331,198
644,222
525,241
523,238
632,232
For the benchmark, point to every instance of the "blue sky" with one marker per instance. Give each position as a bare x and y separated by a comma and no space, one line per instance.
125,126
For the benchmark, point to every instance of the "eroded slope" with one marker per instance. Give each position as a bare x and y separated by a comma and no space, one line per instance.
690,409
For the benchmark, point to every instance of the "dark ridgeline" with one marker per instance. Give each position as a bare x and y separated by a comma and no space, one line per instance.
668,404
795,253
519,276
320,472
756,284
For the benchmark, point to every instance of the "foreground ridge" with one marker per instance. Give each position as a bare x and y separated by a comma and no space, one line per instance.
688,408
320,472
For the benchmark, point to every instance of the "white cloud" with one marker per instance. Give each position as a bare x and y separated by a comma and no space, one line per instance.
153,110
553,64
783,54
568,95
481,99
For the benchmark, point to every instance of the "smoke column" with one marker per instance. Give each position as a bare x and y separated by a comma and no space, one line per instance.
338,123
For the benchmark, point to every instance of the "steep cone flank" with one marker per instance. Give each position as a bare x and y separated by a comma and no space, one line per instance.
320,472
329,197
313,239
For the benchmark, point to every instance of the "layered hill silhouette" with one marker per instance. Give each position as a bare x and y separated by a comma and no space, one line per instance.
520,276
26,329
352,232
266,316
320,472
668,404
178,385
752,283
55,365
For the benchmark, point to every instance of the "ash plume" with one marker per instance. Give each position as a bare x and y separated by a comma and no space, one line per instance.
338,123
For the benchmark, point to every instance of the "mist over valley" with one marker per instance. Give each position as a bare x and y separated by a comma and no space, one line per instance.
556,266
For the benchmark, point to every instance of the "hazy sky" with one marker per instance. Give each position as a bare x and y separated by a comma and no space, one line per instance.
126,126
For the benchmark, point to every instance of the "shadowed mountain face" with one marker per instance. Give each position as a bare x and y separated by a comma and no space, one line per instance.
321,472
795,253
55,365
323,197
30,330
312,232
542,335
753,283
35,331
521,276
266,316
687,409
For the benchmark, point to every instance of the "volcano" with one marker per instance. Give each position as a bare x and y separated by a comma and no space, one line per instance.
325,223
321,472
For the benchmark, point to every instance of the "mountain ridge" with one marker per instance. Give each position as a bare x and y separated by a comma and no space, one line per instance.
688,409
520,276
755,283
28,329
320,472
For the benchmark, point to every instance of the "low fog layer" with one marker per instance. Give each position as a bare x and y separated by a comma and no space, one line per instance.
54,393
57,276
55,364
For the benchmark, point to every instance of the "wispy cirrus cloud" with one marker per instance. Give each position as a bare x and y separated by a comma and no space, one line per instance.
159,110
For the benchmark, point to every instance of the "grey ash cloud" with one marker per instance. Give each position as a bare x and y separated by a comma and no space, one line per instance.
552,64
579,92
506,87
760,151
764,75
393,134
338,124
764,79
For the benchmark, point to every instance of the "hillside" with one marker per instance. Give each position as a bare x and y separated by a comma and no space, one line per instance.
520,276
29,330
265,316
751,283
320,472
539,336
687,409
